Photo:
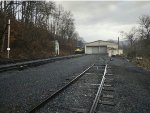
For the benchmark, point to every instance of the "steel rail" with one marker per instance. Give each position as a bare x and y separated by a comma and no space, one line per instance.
95,102
40,105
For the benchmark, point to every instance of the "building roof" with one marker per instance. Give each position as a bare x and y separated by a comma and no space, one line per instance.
100,41
103,43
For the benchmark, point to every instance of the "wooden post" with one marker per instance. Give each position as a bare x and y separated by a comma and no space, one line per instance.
8,44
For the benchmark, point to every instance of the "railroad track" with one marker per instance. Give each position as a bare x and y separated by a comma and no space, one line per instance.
24,65
99,99
104,99
40,105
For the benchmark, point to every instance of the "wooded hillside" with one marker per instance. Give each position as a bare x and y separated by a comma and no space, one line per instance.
34,27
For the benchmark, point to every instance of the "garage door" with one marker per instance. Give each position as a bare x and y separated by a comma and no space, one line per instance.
103,50
95,50
88,50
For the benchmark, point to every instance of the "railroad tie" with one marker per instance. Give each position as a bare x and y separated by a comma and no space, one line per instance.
107,85
109,103
109,80
108,67
110,74
89,73
103,112
107,96
108,88
79,110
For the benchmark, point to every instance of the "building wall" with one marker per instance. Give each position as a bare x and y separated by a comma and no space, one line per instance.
102,47
120,52
115,52
88,50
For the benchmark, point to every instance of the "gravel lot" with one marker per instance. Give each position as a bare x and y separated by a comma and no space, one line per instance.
21,90
132,87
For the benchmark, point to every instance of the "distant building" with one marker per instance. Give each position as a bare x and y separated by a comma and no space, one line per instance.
102,47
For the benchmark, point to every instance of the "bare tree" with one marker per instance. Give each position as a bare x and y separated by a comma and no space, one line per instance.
130,36
36,23
145,23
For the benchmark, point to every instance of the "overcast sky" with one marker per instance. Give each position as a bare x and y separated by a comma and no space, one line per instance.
98,20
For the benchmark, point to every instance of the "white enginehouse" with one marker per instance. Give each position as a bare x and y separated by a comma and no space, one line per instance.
102,47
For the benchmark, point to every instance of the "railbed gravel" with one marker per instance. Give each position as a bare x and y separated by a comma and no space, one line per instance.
78,97
22,90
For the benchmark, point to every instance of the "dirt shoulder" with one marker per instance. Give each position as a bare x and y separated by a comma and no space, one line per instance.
145,63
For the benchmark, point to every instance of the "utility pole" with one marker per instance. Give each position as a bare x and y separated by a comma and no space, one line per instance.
118,45
8,44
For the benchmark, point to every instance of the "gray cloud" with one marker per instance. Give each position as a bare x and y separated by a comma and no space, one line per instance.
93,18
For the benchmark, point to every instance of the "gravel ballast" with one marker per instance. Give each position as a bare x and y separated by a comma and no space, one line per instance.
78,97
21,90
